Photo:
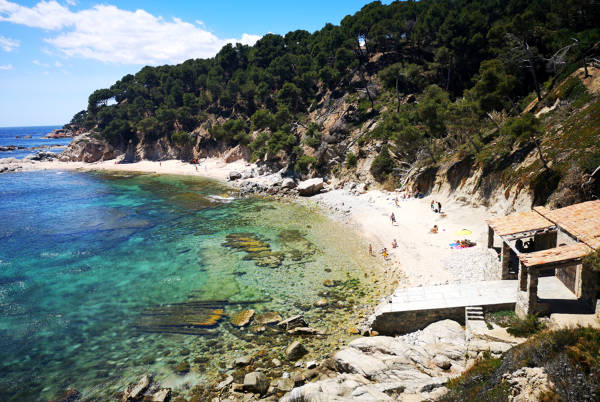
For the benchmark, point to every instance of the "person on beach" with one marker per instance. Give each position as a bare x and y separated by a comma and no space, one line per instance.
385,254
396,201
439,207
394,244
393,218
432,205
370,250
434,229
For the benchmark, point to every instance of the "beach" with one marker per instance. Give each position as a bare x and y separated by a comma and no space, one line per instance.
420,256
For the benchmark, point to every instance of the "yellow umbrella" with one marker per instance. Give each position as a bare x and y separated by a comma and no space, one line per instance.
464,232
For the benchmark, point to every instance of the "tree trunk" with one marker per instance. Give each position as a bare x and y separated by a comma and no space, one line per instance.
587,74
397,96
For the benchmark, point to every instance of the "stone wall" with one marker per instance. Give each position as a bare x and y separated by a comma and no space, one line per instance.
568,276
402,322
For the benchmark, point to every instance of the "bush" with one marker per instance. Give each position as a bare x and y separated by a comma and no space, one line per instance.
351,160
182,138
526,327
303,164
383,165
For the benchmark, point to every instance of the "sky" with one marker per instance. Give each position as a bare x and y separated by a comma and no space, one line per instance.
53,54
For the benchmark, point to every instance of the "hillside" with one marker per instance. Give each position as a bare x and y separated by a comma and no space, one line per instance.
443,94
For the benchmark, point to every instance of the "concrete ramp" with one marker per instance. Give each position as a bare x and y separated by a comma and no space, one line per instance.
410,309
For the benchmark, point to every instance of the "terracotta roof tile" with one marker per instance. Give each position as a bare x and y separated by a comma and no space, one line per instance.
552,255
517,223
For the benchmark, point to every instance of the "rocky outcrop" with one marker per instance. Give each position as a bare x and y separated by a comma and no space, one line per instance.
89,147
41,156
60,133
383,367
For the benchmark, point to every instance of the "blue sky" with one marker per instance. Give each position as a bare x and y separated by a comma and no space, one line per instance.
53,54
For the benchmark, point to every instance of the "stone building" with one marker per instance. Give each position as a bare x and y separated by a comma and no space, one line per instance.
546,242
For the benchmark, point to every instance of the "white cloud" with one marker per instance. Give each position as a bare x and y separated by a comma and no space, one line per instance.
39,63
6,67
8,44
113,35
71,2
58,64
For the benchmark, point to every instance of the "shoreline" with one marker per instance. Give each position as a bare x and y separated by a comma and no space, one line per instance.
417,261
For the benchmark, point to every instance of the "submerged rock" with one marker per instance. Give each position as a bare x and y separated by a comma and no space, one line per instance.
295,351
135,391
70,395
256,382
242,318
182,368
293,322
161,395
271,317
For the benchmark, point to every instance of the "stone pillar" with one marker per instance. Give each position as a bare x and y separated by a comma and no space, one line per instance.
589,283
527,300
490,237
579,281
522,279
505,260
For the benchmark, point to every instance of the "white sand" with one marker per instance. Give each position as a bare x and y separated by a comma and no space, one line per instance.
214,168
420,254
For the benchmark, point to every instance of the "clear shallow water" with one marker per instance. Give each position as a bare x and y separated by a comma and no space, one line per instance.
84,257
8,136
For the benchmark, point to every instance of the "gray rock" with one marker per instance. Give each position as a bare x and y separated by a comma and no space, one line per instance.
284,384
233,175
310,187
288,183
293,322
161,395
136,391
256,382
442,362
295,351
243,361
225,382
304,331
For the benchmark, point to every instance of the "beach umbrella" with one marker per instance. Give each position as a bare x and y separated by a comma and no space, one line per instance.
464,232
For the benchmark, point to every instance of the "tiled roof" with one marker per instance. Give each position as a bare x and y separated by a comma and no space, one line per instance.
580,220
553,255
517,223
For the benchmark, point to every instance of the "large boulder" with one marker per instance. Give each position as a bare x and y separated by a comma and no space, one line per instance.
242,318
89,147
233,175
236,153
310,187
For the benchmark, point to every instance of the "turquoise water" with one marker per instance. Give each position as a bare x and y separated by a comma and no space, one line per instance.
84,258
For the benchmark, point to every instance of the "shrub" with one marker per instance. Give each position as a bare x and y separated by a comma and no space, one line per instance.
382,165
303,164
182,138
525,327
351,160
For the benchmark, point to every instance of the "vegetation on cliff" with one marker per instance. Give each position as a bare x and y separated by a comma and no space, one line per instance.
439,78
570,357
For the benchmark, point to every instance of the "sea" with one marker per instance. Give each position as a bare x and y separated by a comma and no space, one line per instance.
31,139
107,277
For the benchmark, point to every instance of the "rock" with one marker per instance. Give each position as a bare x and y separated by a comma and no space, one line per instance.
258,329
256,382
276,362
225,382
293,322
288,183
88,147
182,368
311,364
284,384
350,360
42,156
136,391
242,318
295,351
70,395
271,317
310,187
528,383
304,331
328,283
321,303
236,153
442,362
161,395
242,361
233,175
